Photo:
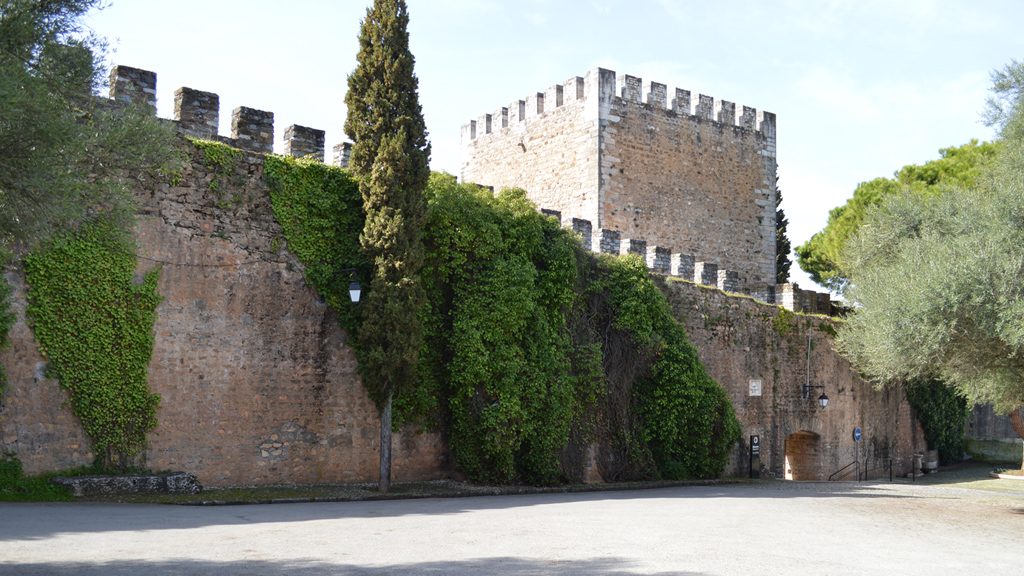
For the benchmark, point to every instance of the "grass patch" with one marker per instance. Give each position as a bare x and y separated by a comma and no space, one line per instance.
16,487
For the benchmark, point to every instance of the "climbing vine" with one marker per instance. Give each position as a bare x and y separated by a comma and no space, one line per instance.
320,211
94,325
684,418
6,321
501,283
533,348
942,413
222,161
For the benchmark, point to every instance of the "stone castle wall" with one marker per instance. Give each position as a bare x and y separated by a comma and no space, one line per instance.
740,340
694,180
546,145
258,387
256,382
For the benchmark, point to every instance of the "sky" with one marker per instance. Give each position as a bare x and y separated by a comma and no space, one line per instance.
860,87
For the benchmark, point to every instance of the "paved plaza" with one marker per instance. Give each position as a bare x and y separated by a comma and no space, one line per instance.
768,527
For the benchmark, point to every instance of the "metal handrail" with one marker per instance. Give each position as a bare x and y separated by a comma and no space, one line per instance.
884,467
844,468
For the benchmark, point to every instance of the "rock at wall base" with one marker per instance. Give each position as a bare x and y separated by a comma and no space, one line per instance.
173,483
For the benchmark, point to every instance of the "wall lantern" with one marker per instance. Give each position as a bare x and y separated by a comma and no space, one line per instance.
805,390
822,400
355,290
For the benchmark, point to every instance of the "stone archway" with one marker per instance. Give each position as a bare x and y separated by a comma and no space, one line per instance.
802,456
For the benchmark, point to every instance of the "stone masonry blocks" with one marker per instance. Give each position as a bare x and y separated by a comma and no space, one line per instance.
618,157
681,265
342,154
634,246
304,142
606,241
253,129
659,259
584,228
727,113
681,103
748,119
705,273
574,88
705,107
133,85
728,280
657,94
631,88
197,112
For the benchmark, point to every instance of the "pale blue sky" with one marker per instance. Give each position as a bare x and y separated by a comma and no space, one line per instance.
860,87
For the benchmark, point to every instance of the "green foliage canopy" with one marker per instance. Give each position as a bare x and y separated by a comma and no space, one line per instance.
822,256
64,151
783,262
320,212
936,280
500,283
526,335
390,157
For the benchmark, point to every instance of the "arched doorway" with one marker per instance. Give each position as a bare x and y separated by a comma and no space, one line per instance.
802,456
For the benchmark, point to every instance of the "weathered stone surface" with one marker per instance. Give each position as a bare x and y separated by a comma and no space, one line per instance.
739,340
659,260
259,387
174,483
606,242
697,183
197,112
243,351
253,129
304,142
133,85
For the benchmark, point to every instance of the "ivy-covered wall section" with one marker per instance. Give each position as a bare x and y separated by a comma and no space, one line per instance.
525,334
94,325
544,363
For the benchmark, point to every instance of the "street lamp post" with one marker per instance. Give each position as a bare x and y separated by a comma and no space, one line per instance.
806,388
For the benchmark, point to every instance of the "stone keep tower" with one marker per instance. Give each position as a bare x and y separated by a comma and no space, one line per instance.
613,150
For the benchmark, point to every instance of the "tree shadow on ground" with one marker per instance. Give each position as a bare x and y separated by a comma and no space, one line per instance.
501,566
35,521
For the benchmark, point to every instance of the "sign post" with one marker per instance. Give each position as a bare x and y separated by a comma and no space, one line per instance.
857,435
755,456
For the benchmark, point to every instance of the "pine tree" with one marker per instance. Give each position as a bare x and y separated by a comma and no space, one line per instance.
390,160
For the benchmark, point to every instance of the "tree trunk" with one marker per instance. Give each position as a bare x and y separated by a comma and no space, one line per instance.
385,446
1017,420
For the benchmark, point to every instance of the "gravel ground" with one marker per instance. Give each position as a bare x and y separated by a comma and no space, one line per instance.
949,523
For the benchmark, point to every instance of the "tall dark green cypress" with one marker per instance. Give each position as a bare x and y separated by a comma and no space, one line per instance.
390,160
782,245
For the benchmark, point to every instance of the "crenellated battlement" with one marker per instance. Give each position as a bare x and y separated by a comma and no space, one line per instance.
610,87
661,260
197,114
640,159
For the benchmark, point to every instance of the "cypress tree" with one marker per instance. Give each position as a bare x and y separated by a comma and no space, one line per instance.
390,160
782,245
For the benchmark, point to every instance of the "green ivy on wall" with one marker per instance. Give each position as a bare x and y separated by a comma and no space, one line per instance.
533,347
942,413
94,325
222,161
502,281
321,213
684,418
6,321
